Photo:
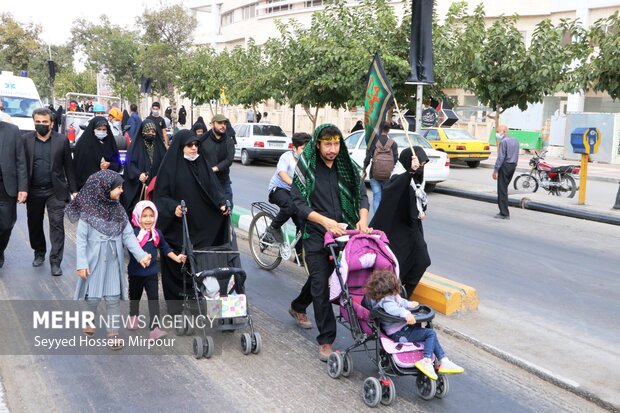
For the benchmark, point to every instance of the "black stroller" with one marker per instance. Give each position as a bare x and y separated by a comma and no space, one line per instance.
227,310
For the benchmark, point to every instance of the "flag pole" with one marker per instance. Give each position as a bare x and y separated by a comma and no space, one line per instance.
404,123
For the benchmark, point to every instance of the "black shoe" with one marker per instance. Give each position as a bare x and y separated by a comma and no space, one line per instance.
38,260
56,270
276,234
1,259
500,216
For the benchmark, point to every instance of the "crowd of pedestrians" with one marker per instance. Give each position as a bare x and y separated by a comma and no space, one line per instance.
317,184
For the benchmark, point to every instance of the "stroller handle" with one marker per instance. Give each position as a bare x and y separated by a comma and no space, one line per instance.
220,273
330,239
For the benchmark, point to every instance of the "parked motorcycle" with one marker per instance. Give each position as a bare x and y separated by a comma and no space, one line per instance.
557,181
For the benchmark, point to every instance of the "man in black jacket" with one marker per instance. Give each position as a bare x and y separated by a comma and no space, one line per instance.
52,179
220,152
13,181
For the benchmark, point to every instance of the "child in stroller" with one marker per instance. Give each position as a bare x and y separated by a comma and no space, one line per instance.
361,256
384,289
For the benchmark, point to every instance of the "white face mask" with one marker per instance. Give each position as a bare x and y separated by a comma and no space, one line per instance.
101,134
155,112
190,158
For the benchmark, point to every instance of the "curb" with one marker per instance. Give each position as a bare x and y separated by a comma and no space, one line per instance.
444,295
527,170
526,203
538,371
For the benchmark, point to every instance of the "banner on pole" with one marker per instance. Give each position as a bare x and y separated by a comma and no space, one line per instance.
421,43
379,99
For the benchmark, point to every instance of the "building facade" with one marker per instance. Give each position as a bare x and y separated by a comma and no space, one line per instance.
230,23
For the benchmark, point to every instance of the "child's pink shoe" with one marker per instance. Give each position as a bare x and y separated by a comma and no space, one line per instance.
132,324
156,333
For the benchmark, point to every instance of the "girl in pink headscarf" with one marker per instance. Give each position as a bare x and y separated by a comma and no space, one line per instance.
144,218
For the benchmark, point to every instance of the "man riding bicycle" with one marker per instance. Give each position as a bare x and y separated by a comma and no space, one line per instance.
280,188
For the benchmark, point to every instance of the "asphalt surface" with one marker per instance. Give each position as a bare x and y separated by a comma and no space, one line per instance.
287,375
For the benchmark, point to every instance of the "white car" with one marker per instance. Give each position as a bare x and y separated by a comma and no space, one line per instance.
261,141
437,169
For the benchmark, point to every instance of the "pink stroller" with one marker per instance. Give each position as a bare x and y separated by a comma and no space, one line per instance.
356,256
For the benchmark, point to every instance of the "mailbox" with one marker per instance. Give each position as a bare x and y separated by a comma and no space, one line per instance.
585,140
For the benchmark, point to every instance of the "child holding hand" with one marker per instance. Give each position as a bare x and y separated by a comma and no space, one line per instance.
383,289
151,239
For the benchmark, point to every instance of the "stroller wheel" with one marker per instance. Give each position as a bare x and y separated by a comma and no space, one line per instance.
179,331
334,365
198,347
372,392
388,391
347,365
425,387
246,343
443,386
257,342
207,349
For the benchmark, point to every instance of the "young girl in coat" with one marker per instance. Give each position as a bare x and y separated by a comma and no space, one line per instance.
383,288
144,219
102,232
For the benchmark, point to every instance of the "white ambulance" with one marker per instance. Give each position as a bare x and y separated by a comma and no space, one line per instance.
19,97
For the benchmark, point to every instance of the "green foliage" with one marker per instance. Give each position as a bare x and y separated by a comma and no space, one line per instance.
70,81
111,49
18,42
167,34
247,75
327,63
198,77
494,63
603,73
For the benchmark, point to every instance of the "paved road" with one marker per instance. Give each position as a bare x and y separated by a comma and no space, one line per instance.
543,280
286,376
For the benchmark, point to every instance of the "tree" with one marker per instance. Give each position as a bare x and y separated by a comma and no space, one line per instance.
112,50
167,34
18,43
68,80
247,75
603,72
495,64
39,69
327,63
198,79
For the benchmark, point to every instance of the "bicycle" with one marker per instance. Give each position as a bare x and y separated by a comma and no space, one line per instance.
266,251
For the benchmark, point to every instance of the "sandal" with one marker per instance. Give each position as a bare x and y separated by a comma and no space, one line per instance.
115,342
89,331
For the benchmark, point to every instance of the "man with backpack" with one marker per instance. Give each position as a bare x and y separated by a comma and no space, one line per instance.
384,154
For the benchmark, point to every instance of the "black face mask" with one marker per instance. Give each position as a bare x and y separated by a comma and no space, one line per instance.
149,138
42,129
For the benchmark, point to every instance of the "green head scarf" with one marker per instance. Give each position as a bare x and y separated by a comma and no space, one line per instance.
348,178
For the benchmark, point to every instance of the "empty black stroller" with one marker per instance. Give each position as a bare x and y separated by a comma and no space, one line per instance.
215,298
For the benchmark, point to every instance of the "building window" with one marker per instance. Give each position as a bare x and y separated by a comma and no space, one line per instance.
248,12
228,18
275,8
314,3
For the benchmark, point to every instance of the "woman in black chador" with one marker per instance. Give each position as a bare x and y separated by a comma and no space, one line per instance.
185,175
95,150
400,216
143,160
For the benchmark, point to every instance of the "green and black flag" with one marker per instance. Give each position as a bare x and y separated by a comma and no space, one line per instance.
379,99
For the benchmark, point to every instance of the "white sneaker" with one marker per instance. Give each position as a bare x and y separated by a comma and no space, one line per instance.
449,367
426,367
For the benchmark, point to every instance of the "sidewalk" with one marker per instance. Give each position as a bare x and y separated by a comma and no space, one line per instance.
597,171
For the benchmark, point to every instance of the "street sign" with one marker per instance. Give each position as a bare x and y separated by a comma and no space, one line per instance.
585,140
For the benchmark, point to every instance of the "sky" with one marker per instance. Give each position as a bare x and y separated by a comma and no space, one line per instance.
57,17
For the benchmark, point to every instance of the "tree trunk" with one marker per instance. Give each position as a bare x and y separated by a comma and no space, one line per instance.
173,106
311,116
